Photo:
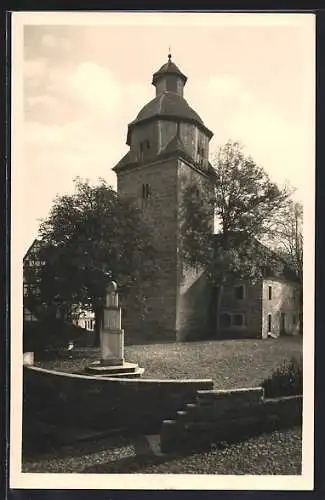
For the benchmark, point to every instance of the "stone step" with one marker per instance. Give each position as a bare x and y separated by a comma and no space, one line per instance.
231,398
211,412
101,368
171,436
174,437
219,425
182,415
134,374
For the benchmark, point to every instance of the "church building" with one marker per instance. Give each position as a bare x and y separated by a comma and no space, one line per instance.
169,150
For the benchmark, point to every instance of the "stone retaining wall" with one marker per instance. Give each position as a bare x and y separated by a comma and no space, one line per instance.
228,416
101,403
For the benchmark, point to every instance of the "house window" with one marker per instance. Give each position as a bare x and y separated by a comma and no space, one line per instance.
270,293
146,191
229,320
294,320
239,292
238,319
226,320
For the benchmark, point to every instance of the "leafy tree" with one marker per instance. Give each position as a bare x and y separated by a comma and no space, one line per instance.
89,237
244,202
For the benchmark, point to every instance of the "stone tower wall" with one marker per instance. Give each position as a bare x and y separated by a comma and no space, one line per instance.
160,212
194,291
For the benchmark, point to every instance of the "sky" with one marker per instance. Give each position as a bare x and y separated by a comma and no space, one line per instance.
250,78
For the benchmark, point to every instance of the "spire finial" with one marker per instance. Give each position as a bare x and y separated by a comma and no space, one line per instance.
169,54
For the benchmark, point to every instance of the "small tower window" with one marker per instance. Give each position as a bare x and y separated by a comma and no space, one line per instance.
171,83
240,292
144,145
270,293
146,191
201,151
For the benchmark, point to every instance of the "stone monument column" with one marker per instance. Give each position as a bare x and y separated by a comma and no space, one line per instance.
111,362
112,335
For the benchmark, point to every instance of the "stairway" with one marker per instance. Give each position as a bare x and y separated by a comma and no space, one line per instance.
215,416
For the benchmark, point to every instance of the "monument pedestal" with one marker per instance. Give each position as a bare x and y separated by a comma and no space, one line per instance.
112,363
124,370
112,347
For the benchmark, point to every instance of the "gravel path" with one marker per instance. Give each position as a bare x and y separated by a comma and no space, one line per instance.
272,454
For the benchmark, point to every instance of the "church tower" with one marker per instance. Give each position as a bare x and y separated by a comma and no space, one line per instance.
169,149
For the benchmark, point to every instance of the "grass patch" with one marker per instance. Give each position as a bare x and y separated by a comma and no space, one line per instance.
230,363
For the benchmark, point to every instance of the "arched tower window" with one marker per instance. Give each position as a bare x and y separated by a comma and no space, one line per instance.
146,191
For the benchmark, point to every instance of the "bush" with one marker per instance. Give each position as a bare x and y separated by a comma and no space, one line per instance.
286,380
51,333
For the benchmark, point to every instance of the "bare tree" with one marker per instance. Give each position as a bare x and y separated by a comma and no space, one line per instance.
286,235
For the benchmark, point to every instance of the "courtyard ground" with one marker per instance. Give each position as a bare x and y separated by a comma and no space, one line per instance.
269,454
230,363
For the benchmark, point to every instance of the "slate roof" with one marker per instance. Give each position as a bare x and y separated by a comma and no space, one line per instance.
168,104
175,144
168,68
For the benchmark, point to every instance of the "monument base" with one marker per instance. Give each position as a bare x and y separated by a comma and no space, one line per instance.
123,370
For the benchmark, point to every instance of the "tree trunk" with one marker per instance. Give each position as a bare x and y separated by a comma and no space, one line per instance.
301,312
218,308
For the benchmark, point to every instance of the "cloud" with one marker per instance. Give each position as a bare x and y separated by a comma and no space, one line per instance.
49,40
96,88
77,121
35,68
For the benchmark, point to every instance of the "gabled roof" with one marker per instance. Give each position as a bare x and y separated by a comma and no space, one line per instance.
238,238
33,248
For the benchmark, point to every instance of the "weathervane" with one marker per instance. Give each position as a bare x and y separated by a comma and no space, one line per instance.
169,53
